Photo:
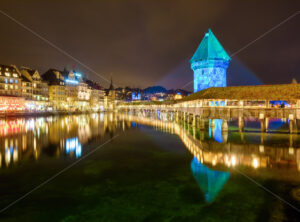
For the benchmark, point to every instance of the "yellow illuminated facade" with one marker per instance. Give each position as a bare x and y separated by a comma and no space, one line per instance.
34,90
57,90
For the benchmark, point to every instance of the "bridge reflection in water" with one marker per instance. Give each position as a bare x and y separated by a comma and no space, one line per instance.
213,149
263,156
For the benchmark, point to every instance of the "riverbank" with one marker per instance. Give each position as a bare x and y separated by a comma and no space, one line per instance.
52,113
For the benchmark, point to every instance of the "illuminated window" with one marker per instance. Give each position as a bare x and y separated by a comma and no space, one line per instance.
15,75
11,81
16,81
16,87
11,86
7,74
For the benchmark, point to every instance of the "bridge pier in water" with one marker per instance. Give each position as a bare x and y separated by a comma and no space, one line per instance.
196,114
241,124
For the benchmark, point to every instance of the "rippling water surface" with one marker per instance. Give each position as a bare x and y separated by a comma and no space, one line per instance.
148,169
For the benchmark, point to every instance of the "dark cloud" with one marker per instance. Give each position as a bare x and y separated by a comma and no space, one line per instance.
142,43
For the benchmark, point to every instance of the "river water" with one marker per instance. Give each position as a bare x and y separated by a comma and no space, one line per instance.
109,167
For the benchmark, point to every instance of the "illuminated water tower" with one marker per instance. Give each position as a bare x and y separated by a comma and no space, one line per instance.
209,63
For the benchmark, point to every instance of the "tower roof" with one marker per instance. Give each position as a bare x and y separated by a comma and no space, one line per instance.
210,48
111,87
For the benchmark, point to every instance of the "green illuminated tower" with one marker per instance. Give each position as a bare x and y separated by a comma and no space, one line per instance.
209,63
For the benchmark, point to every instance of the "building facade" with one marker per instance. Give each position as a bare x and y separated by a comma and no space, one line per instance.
209,63
34,89
110,98
57,89
96,97
10,89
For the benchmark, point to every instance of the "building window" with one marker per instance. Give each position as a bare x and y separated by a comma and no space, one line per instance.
11,81
5,80
16,81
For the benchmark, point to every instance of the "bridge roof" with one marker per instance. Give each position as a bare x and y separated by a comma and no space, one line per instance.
260,92
210,48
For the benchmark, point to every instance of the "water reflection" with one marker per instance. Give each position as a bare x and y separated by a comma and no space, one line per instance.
24,138
215,152
255,150
73,146
210,181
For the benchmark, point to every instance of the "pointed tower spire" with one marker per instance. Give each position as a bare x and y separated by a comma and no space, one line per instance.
209,63
111,87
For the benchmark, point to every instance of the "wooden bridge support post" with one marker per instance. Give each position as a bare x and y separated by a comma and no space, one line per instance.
263,122
212,127
202,124
224,125
241,124
225,130
194,120
212,123
292,128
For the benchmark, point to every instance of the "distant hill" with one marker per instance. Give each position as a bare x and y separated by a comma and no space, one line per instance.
155,89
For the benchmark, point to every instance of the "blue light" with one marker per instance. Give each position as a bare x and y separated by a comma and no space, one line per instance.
135,96
77,74
218,130
73,146
71,81
211,182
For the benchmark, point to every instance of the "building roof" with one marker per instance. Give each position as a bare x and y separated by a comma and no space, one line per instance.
25,79
51,78
93,84
29,70
260,92
209,49
11,68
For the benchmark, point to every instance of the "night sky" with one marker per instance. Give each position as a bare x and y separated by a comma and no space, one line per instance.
143,43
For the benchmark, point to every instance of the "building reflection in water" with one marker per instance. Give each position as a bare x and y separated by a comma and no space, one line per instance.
215,130
280,160
210,181
73,146
24,138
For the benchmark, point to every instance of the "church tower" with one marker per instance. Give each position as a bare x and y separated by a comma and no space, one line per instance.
209,63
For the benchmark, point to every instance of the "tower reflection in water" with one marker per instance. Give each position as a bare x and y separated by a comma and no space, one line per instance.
278,155
210,181
258,155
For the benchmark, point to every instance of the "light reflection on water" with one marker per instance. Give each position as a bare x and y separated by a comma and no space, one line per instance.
22,138
215,153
